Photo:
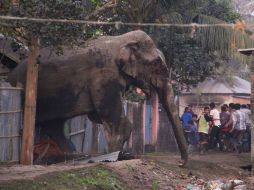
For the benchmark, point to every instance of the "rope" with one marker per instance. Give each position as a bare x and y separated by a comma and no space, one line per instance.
117,23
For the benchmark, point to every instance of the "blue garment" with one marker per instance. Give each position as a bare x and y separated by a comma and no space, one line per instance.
193,135
186,118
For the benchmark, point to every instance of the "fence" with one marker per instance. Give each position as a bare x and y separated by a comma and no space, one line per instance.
10,122
89,138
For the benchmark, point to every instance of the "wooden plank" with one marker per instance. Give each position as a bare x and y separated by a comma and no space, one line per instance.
11,88
77,133
9,136
95,139
77,125
155,117
102,142
7,112
166,141
138,129
129,114
10,123
88,141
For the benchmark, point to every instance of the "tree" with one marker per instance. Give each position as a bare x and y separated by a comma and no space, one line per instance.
37,35
222,10
190,48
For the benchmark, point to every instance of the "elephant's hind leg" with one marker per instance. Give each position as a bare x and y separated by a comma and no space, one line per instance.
54,129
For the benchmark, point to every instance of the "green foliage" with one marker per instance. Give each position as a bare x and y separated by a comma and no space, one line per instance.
88,178
97,3
133,96
190,52
4,6
222,39
220,9
189,62
52,34
155,184
101,178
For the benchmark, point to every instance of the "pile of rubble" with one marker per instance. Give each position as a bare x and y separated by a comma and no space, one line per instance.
199,184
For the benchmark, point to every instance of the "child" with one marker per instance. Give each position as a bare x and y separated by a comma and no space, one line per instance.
192,136
203,128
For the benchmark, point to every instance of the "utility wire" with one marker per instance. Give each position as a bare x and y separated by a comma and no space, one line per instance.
116,23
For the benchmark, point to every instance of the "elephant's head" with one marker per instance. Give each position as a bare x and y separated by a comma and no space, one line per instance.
144,66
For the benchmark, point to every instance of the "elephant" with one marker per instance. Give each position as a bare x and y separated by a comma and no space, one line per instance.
91,79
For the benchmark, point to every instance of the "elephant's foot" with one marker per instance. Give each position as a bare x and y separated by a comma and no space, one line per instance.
117,136
55,131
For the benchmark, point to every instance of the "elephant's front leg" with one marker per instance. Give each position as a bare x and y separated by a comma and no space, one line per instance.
106,98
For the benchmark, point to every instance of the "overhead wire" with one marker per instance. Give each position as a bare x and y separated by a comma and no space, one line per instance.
116,23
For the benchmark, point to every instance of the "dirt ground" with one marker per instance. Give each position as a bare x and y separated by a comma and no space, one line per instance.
151,171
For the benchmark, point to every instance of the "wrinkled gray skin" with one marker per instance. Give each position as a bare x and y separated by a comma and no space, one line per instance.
91,80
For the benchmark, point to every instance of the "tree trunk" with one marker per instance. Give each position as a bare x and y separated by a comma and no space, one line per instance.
252,111
30,103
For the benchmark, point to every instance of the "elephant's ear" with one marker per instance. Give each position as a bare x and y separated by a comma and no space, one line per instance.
127,58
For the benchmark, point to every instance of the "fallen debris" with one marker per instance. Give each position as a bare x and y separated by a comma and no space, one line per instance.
111,157
217,185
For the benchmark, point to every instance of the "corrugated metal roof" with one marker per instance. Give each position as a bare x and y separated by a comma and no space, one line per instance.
219,86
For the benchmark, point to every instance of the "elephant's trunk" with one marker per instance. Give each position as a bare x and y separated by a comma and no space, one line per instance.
166,96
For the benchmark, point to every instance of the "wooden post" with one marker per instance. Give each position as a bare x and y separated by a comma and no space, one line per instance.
95,144
250,52
30,103
138,129
252,112
155,117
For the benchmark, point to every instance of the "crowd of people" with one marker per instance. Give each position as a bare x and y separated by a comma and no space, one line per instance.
227,129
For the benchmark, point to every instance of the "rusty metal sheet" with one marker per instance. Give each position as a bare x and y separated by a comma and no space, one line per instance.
111,157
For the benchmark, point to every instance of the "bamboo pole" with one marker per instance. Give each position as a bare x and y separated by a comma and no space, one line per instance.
30,103
252,113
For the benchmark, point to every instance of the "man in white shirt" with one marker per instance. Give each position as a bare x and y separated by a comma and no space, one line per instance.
247,133
239,119
247,113
214,134
239,126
